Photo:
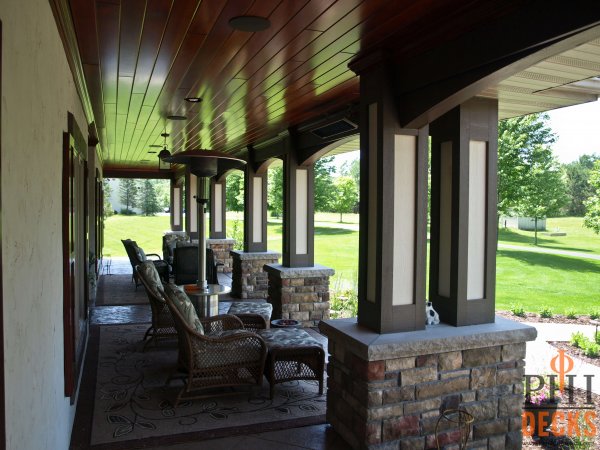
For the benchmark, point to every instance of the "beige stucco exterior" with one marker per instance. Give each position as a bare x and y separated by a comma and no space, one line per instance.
37,92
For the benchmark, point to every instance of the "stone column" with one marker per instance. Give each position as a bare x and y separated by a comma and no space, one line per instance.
387,391
218,225
463,213
222,249
249,279
300,293
255,209
176,209
393,209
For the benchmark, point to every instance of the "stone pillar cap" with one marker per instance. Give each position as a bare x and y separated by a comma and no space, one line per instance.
299,272
256,255
220,241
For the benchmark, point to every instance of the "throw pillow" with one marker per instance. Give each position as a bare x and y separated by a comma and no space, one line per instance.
185,307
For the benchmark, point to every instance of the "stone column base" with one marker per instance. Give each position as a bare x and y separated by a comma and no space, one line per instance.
300,293
249,279
222,248
388,390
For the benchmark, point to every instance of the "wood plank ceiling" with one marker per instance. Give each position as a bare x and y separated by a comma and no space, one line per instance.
142,58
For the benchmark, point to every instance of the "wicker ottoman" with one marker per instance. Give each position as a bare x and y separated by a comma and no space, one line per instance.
254,315
292,355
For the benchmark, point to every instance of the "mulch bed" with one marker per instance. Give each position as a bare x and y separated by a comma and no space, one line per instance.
566,442
575,352
535,318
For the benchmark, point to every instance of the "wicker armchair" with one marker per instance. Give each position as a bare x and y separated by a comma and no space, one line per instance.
137,256
225,355
162,322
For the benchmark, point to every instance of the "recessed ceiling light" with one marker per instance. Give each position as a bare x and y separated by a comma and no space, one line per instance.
193,99
249,23
156,145
151,152
145,160
165,135
176,117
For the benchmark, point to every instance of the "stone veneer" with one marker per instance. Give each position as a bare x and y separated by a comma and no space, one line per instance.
300,293
386,391
222,249
249,280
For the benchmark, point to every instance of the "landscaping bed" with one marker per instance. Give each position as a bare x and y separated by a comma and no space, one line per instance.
575,352
535,318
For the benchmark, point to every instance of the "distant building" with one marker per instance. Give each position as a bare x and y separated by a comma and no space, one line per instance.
115,202
523,223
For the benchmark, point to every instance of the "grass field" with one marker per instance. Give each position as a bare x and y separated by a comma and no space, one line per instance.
578,238
524,278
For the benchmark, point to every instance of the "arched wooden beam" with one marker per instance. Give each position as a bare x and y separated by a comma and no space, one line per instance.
319,152
262,167
220,177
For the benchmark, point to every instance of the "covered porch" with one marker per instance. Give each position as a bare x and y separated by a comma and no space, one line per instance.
98,89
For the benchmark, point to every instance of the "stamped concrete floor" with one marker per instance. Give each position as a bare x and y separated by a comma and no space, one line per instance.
316,437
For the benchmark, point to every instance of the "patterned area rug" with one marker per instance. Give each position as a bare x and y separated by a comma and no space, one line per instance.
133,407
119,290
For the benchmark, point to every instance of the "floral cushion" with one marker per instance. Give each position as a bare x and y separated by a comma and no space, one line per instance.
141,255
185,307
263,309
148,272
288,337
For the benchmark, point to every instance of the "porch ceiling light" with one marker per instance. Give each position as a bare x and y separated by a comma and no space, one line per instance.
249,23
164,153
193,99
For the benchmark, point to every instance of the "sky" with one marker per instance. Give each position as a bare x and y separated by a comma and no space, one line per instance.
578,131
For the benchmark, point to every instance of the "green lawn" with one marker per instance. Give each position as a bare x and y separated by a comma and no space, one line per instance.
578,238
525,278
533,280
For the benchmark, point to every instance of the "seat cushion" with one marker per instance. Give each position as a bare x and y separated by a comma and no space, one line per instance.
263,309
150,275
185,306
288,337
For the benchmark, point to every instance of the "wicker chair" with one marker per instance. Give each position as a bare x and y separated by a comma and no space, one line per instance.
137,256
224,355
162,322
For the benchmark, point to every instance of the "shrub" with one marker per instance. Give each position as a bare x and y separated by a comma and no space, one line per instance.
597,338
571,314
344,303
517,310
546,312
595,315
592,350
578,340
127,212
237,234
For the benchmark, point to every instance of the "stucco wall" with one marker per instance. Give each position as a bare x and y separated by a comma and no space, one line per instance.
37,92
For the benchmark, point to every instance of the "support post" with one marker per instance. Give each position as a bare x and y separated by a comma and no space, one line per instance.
218,225
255,210
463,213
191,216
176,211
298,211
393,211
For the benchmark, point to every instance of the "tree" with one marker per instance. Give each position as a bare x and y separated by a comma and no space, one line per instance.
324,195
346,195
275,191
351,169
234,192
147,199
107,208
163,192
542,193
128,193
592,205
516,138
576,177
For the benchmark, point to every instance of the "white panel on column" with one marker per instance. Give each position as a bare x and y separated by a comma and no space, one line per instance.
301,211
218,199
257,204
193,208
372,180
477,218
405,160
445,219
176,206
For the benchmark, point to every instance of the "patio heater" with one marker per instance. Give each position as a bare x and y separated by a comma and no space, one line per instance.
205,164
